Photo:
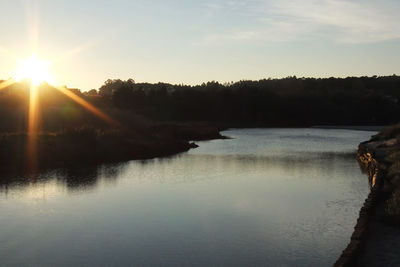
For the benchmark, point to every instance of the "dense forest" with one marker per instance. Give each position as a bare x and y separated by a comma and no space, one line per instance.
128,120
270,102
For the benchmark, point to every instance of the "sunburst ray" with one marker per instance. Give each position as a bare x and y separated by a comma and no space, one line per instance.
33,126
7,83
90,107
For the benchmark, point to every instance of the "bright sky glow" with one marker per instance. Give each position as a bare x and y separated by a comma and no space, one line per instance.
34,69
182,41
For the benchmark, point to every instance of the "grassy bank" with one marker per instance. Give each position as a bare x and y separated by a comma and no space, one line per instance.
90,145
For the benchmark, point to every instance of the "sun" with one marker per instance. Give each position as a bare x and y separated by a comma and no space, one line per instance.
34,69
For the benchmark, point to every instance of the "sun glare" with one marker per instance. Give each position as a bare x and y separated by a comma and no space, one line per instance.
34,69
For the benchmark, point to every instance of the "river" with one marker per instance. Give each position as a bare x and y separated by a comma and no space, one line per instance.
266,197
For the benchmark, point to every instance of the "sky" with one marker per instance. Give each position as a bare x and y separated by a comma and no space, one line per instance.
190,42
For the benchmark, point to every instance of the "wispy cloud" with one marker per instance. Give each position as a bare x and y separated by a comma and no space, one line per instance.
339,20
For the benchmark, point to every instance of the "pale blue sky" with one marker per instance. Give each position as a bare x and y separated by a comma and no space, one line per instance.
191,42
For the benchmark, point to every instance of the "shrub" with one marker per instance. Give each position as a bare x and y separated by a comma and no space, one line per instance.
388,133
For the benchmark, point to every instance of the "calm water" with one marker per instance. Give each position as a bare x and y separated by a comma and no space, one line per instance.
268,197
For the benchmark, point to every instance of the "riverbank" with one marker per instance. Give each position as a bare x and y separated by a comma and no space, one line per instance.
376,237
85,145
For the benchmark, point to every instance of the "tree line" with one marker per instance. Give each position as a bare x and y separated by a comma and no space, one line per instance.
289,101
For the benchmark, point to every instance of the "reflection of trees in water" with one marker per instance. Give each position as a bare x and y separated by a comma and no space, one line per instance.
80,178
293,162
188,168
182,168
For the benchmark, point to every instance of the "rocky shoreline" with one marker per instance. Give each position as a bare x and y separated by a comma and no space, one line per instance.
376,238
